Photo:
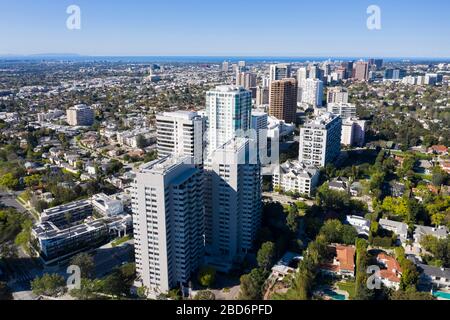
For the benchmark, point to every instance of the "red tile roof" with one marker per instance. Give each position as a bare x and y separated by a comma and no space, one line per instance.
439,149
344,259
393,270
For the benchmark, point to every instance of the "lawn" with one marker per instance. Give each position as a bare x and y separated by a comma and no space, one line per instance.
120,241
349,287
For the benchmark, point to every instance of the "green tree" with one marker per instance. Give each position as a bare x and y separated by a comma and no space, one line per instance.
86,263
89,290
115,284
119,282
440,177
411,295
349,235
205,295
8,181
292,220
48,284
252,285
266,256
206,276
33,180
11,223
332,231
362,261
23,239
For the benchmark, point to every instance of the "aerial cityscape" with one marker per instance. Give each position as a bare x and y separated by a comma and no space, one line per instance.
232,176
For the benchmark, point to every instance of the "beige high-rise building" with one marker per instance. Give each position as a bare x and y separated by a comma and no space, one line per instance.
337,95
246,80
283,100
361,70
262,96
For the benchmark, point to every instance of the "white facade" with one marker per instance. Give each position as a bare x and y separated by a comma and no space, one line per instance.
302,75
345,110
296,177
320,140
312,92
260,124
337,95
181,134
131,138
233,204
80,115
353,132
228,109
168,223
106,205
347,133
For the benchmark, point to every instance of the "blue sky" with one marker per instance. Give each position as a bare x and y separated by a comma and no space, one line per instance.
410,28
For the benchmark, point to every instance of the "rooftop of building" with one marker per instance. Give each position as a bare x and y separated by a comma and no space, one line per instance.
104,200
234,144
400,226
80,107
440,232
65,207
321,121
49,230
256,113
164,165
443,273
343,258
229,89
298,169
393,269
184,115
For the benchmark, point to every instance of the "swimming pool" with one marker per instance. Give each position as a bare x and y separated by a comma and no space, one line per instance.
334,295
442,295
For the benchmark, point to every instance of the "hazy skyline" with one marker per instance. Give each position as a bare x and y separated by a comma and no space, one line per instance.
232,28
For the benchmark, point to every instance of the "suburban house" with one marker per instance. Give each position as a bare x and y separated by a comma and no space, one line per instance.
339,184
422,231
399,228
341,262
287,265
360,224
436,277
397,189
440,150
391,273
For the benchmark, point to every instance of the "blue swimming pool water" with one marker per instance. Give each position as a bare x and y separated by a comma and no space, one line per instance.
334,295
443,295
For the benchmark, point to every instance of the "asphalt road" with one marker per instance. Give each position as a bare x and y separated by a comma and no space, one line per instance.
107,258
8,199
